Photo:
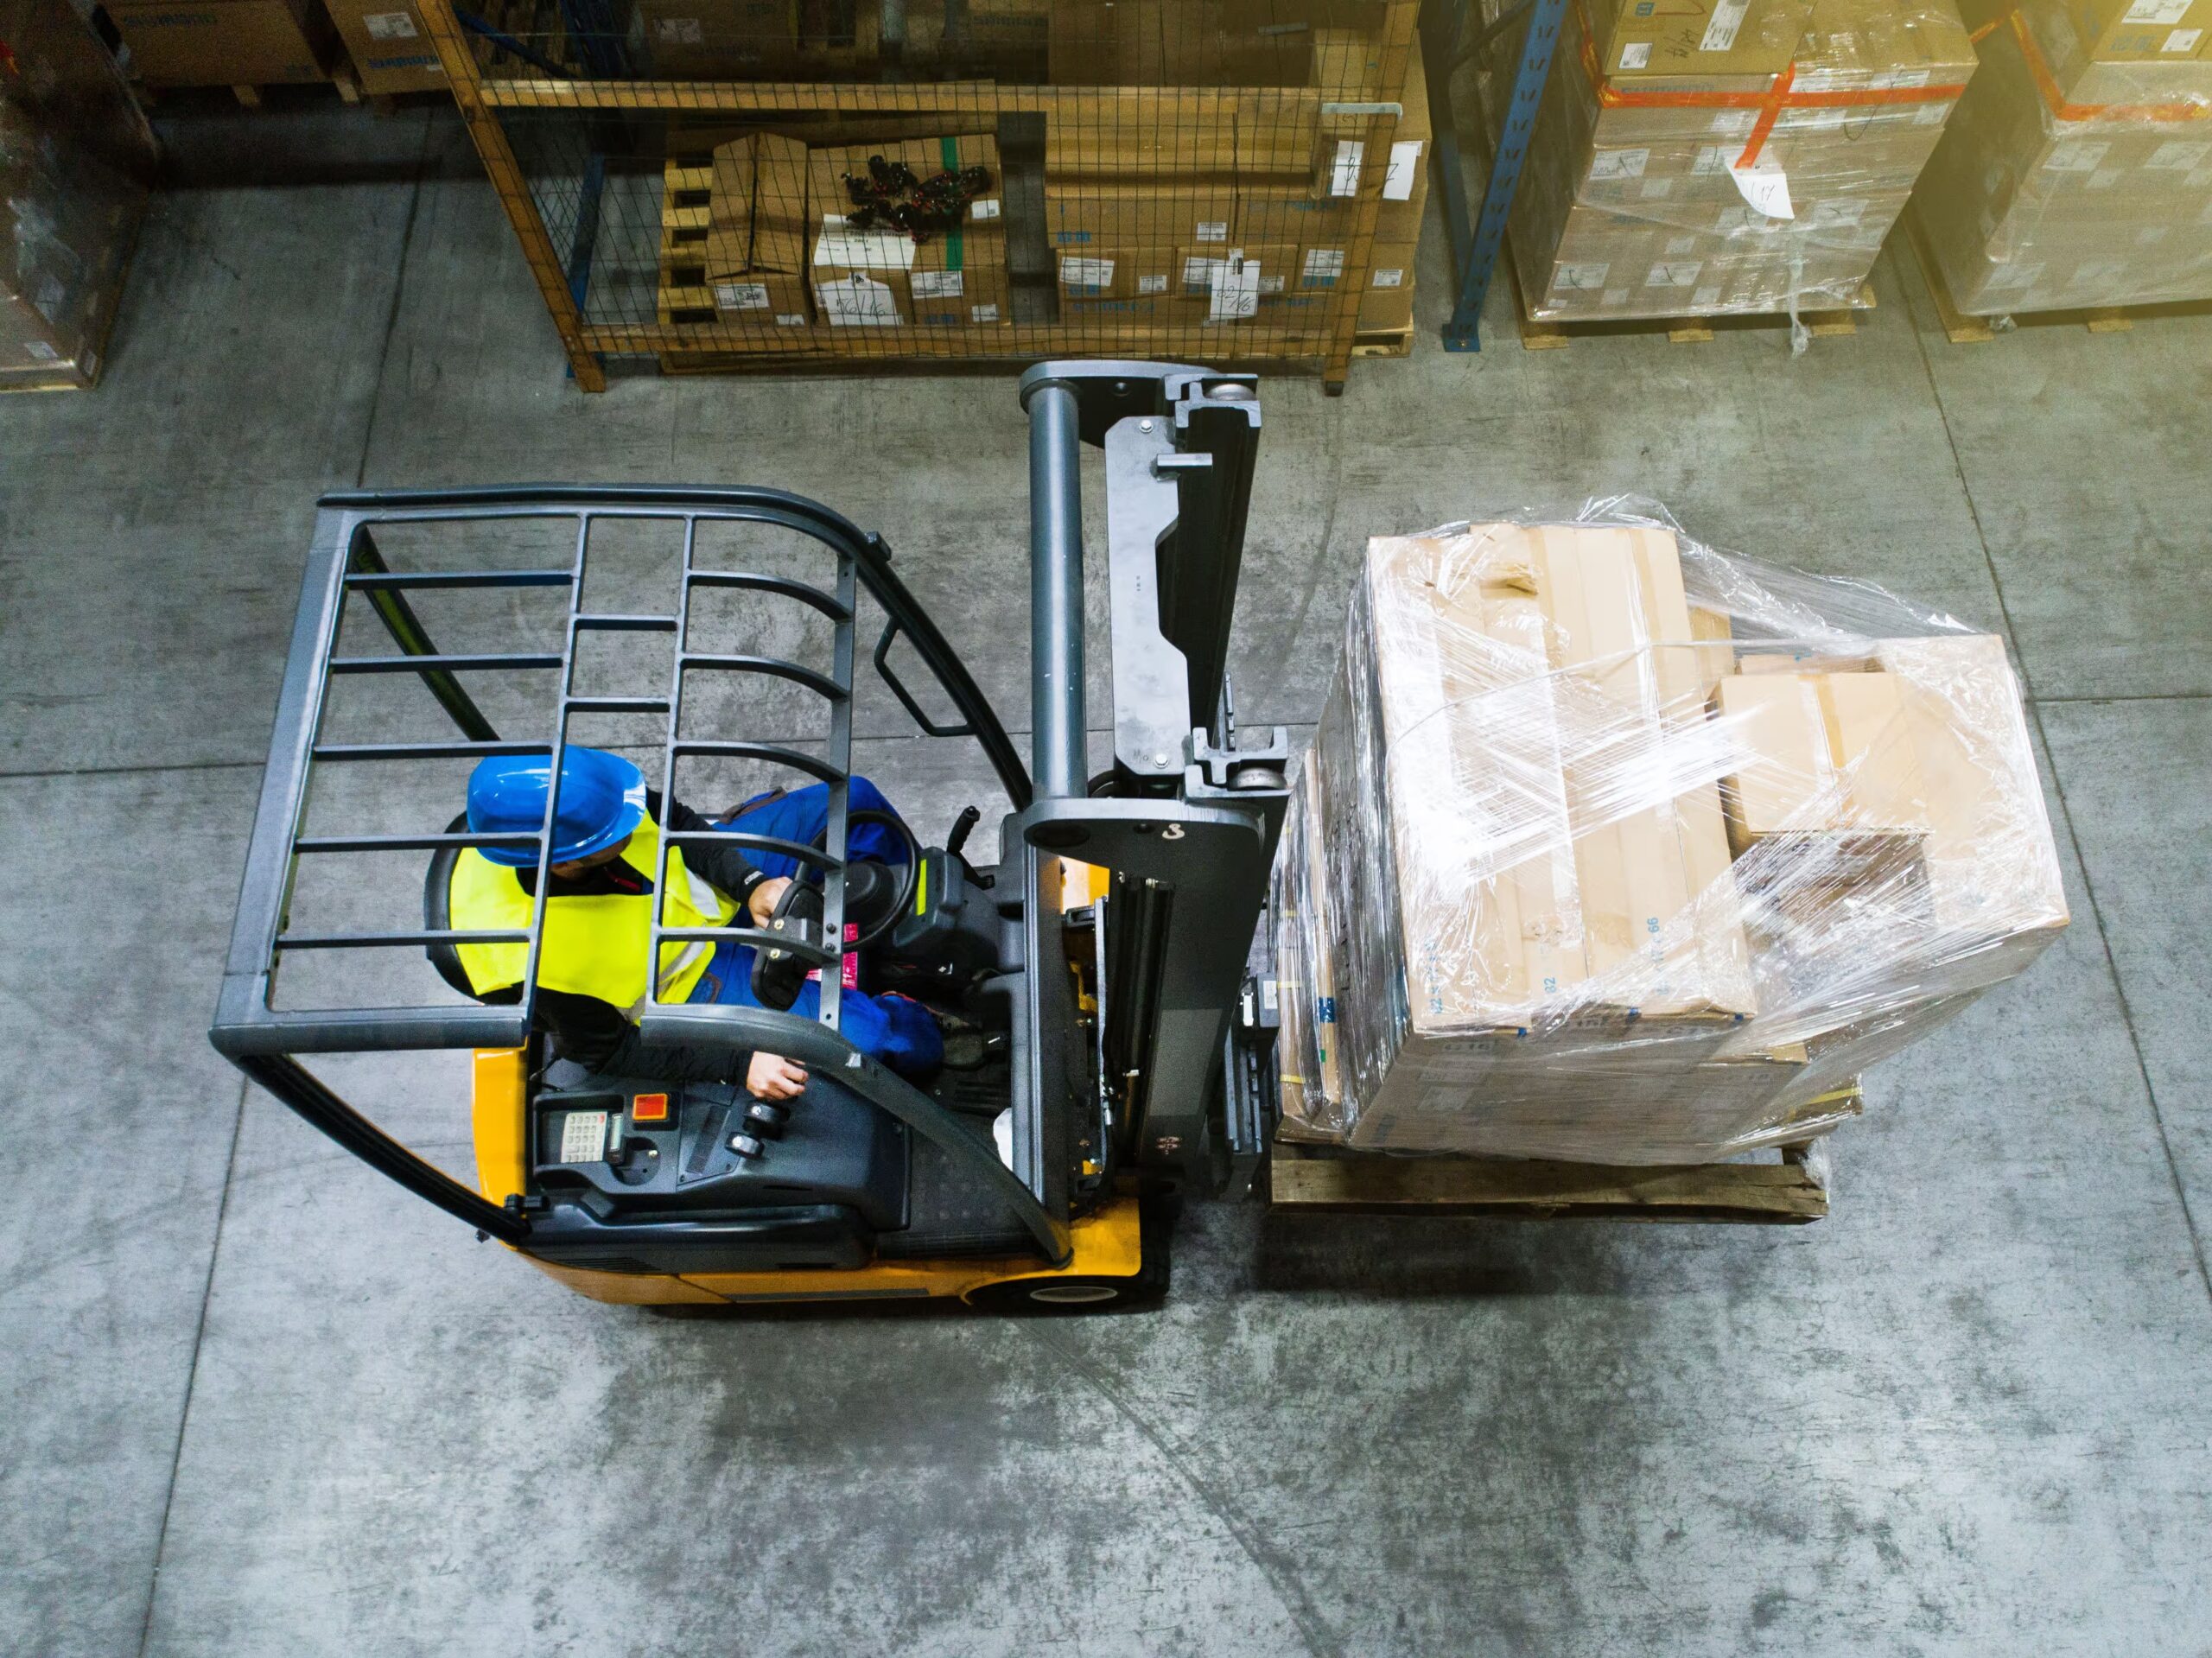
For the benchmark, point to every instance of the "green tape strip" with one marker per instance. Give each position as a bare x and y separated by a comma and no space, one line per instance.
949,151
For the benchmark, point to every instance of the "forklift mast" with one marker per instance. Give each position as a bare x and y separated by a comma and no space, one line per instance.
1185,819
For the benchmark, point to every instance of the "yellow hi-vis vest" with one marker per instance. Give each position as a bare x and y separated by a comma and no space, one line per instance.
592,946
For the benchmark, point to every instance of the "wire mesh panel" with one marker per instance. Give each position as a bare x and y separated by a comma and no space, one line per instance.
726,183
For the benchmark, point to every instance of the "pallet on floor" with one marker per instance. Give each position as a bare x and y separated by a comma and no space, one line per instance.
1964,328
1539,335
684,295
84,373
1791,1191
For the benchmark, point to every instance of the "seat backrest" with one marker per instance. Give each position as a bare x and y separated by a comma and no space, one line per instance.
437,911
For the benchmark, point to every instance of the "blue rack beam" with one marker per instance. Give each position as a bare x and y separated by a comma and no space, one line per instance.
1475,245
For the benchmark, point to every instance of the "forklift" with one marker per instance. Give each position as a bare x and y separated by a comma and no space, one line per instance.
1114,956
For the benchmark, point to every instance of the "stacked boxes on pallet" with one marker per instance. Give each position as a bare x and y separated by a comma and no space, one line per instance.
225,42
1244,219
785,248
2078,170
1737,159
74,156
1614,849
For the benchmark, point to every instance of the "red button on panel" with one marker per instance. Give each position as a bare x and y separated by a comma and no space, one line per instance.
649,1107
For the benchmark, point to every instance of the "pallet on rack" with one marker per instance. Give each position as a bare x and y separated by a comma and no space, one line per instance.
1384,342
1964,328
1311,1179
249,94
1541,334
71,377
683,296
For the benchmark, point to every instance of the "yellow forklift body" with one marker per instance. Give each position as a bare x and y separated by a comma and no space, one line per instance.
1106,1242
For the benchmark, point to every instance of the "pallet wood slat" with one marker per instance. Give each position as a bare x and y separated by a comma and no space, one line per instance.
1303,1180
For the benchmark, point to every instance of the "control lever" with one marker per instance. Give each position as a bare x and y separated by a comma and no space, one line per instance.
746,1145
765,1121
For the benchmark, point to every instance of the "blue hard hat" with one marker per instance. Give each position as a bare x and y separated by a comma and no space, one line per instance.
602,799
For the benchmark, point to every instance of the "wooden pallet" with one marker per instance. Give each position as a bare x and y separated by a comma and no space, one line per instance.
1538,334
1962,328
249,96
1384,342
1316,1180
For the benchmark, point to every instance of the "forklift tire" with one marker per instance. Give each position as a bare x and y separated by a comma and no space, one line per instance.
1088,1292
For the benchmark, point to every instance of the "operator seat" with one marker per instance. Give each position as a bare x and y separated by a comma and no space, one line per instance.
437,909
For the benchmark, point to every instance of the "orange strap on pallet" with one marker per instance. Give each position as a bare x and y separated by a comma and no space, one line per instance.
1780,95
2047,83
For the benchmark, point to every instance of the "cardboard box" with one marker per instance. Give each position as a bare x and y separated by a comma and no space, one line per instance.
2143,31
880,276
223,42
1700,37
757,249
1508,871
715,39
1650,211
2060,183
1095,213
75,154
1388,302
389,46
1233,281
1120,273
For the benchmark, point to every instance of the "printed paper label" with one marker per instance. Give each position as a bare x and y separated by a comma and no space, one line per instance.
1680,274
2157,11
1078,272
2183,40
790,319
982,314
1271,286
1405,170
2105,178
41,350
740,296
1153,284
1680,247
842,243
1720,29
1765,187
1394,276
1322,267
985,207
858,302
389,25
1732,124
1214,230
1619,163
1636,54
583,1137
936,284
1705,297
2179,156
1343,172
1233,292
2079,155
1931,115
1711,160
679,31
1614,298
1580,278
1198,273
1656,189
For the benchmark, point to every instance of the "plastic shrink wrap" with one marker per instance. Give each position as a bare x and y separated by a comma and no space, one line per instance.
2067,180
1679,193
74,156
1610,847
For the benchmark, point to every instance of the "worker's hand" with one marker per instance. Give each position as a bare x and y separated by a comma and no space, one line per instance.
765,897
772,1076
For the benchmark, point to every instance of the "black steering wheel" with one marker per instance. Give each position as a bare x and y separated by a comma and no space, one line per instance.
914,867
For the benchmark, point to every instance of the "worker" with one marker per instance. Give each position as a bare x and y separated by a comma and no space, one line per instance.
599,899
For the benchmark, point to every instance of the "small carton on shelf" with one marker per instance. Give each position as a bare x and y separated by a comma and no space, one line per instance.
389,46
756,235
875,275
223,42
715,39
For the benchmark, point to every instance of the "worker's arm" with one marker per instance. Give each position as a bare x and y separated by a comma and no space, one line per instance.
596,1036
724,865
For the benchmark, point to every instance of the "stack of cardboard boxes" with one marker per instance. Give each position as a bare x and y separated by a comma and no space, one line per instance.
2078,170
225,42
1571,873
75,155
1241,232
1745,157
786,250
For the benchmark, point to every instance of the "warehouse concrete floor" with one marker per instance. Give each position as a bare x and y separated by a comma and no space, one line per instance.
262,1403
